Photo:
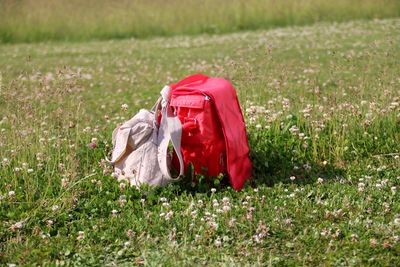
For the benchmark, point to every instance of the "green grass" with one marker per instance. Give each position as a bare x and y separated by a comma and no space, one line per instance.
43,20
321,104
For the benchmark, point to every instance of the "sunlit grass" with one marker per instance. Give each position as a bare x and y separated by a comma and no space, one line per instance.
42,20
322,111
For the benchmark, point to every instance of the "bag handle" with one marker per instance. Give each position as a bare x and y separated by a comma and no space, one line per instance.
170,130
191,79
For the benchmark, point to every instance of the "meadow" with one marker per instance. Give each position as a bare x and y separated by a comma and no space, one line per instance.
322,109
76,20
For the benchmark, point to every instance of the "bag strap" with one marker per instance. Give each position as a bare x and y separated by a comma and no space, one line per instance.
170,130
196,78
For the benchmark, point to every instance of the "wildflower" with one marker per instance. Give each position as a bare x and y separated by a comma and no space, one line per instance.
6,161
320,180
292,178
226,208
122,200
354,237
124,107
16,226
64,182
218,242
194,214
215,203
197,238
30,170
213,190
11,194
55,207
393,189
373,242
142,200
163,199
361,187
250,214
130,233
213,225
386,244
258,126
92,145
81,235
114,213
169,215
232,222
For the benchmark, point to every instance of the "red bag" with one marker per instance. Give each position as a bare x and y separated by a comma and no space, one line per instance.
214,136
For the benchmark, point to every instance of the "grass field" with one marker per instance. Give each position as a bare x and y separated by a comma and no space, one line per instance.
322,107
43,20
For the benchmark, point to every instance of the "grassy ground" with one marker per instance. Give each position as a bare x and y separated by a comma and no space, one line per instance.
41,20
323,116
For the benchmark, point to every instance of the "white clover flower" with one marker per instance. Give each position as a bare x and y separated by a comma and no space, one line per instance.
16,226
163,199
320,180
393,189
194,214
30,170
169,215
124,107
11,194
55,207
197,238
292,178
226,208
213,225
81,235
218,242
114,212
213,190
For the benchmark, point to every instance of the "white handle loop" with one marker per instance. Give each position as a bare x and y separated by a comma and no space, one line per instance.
170,130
